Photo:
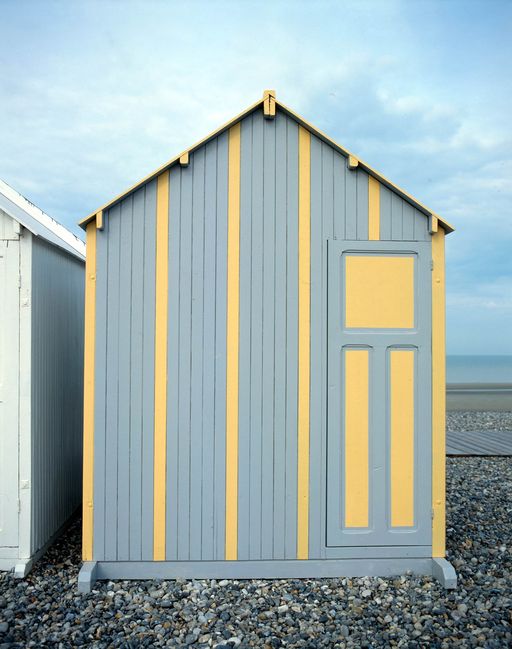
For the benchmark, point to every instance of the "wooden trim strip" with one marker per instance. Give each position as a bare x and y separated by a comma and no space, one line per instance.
304,343
373,209
89,354
161,334
232,343
438,397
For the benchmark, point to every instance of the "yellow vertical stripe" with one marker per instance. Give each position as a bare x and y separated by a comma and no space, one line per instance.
402,437
232,343
160,429
356,437
438,396
304,343
373,209
89,351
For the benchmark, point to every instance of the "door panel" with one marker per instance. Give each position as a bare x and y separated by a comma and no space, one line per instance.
9,370
379,394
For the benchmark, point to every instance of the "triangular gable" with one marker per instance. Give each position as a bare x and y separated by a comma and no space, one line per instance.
270,104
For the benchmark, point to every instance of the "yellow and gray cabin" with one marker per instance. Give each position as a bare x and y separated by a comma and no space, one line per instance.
264,366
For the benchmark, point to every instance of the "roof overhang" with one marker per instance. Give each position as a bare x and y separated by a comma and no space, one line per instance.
38,222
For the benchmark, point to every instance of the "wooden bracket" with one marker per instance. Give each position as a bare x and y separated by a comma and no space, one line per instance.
433,224
184,159
353,162
99,220
269,104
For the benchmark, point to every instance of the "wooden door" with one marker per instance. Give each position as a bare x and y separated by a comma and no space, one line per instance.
379,394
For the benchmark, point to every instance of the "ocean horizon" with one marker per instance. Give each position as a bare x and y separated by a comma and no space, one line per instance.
468,368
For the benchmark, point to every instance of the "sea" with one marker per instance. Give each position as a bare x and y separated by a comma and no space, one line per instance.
478,369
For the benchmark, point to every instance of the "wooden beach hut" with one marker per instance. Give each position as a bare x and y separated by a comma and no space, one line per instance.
41,378
264,378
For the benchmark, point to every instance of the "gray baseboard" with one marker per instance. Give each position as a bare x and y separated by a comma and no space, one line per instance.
92,570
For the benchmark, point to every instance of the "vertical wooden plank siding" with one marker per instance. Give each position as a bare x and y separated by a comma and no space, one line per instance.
373,209
89,348
402,437
160,424
232,338
438,396
304,342
356,437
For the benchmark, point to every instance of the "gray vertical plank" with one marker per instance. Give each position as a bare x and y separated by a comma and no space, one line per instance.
124,376
100,389
396,217
408,222
292,318
351,204
112,407
136,373
220,346
173,357
267,442
244,381
281,168
148,368
256,338
339,173
185,366
385,213
378,442
196,168
208,343
328,190
362,205
421,232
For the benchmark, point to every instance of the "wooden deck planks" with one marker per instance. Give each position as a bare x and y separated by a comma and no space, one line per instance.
488,442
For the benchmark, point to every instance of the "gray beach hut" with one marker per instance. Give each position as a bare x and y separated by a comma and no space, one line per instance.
264,365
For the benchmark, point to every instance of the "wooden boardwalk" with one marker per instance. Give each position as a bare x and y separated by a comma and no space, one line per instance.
488,442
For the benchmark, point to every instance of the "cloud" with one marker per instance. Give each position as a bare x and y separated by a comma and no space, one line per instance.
94,98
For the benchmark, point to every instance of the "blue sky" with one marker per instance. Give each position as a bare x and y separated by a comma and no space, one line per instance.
95,95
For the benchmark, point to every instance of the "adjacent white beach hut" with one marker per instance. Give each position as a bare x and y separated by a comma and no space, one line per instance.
41,370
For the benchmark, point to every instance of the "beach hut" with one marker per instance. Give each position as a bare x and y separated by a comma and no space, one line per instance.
41,379
264,373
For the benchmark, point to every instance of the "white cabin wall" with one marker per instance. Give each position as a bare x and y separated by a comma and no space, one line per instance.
57,388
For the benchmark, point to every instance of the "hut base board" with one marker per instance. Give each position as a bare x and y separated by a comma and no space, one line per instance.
91,571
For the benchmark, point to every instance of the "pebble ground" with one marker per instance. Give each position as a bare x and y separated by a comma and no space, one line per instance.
45,610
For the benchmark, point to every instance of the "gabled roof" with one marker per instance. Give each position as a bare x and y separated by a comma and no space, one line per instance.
270,105
36,221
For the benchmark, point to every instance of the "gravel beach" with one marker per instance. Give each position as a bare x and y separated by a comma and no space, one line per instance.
45,610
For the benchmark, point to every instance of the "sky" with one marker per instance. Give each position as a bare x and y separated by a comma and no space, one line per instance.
95,95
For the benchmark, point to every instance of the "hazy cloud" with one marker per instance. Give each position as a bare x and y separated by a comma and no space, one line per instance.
96,95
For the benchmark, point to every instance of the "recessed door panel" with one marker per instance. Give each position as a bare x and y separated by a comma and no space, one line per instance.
379,394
